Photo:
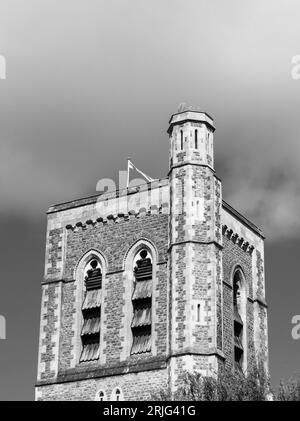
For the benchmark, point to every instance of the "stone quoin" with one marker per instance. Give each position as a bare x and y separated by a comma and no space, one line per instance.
132,300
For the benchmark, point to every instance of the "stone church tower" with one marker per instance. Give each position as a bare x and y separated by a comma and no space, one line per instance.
145,283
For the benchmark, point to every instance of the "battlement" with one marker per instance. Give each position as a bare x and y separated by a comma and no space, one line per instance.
191,116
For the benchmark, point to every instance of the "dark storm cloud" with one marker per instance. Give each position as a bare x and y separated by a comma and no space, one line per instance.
89,84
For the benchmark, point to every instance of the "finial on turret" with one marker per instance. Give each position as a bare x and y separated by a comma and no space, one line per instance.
182,107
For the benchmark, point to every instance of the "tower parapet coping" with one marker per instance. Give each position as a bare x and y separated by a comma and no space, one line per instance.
191,115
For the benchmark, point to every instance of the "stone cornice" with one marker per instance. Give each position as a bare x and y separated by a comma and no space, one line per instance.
190,116
205,243
154,363
227,284
195,351
242,219
76,374
193,164
260,302
90,200
257,300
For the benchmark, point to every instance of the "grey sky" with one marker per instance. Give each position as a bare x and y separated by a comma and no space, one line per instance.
89,83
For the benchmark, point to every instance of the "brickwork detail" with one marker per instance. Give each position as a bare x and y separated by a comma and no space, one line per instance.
136,386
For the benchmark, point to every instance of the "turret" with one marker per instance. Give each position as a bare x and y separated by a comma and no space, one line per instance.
195,244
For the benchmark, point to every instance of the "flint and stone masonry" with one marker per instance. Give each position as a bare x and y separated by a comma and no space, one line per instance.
195,301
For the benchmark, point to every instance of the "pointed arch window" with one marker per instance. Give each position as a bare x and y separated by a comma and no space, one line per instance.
117,395
90,333
101,396
238,320
142,304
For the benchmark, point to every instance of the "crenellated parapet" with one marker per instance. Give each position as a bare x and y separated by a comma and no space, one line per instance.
236,239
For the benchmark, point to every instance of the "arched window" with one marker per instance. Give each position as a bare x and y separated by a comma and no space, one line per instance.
181,140
142,303
101,396
196,139
117,395
239,320
91,306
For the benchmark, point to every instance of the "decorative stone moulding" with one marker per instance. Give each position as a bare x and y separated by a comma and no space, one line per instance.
142,212
236,239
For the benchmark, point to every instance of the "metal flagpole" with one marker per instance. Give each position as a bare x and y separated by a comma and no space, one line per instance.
131,165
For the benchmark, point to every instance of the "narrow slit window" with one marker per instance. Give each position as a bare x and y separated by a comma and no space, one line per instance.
198,312
238,324
196,139
181,140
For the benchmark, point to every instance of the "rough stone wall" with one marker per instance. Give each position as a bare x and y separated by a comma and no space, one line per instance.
67,331
112,238
113,241
134,386
72,232
238,252
234,256
253,242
